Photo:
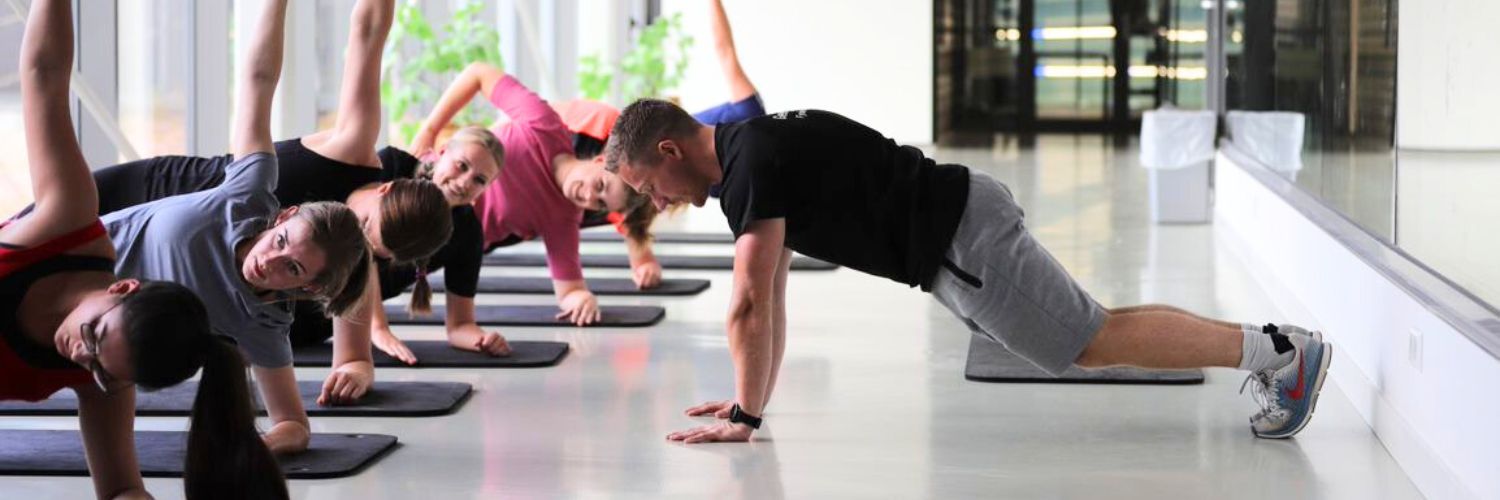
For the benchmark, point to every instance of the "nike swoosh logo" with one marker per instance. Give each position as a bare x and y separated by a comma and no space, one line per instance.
1296,393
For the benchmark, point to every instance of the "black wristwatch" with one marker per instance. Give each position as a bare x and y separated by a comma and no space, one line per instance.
738,416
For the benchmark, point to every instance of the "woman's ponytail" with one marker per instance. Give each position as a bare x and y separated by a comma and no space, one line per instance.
226,457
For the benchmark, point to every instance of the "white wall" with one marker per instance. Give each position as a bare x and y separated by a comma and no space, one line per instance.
1440,198
1446,75
870,60
1437,415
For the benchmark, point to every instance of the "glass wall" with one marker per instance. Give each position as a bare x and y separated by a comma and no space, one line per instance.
1074,46
1329,70
1064,65
1334,64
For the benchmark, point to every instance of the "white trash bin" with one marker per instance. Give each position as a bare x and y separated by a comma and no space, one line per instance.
1177,147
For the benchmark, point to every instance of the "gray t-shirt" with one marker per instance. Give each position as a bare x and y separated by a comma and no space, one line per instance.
190,239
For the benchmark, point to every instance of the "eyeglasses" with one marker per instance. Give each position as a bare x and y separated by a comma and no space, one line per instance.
91,339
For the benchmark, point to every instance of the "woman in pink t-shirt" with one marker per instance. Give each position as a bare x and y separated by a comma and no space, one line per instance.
528,201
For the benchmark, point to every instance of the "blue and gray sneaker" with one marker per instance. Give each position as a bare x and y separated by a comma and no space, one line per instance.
1288,395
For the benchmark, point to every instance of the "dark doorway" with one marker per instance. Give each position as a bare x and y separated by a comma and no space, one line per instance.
1028,66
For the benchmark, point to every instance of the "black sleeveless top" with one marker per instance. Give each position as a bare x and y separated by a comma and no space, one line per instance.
13,288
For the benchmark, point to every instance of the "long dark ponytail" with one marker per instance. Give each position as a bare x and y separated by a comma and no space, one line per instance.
226,457
168,331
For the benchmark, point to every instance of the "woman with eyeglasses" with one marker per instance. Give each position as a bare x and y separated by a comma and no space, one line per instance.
66,320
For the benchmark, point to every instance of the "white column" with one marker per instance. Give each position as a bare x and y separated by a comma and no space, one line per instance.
94,30
209,105
565,49
507,23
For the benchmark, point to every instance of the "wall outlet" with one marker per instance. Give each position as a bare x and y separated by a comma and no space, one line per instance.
1414,349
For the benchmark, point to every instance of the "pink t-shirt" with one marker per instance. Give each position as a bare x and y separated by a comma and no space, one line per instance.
526,201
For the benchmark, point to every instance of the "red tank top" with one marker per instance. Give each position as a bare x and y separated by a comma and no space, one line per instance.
20,379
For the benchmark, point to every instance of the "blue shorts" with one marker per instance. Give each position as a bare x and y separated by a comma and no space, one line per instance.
741,110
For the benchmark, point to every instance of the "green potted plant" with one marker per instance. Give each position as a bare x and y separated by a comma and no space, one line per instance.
419,62
652,68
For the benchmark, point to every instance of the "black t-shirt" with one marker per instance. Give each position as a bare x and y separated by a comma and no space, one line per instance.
849,195
460,258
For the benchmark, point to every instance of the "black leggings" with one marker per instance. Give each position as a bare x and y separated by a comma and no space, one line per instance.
146,180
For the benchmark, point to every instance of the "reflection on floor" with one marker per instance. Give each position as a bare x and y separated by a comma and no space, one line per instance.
872,402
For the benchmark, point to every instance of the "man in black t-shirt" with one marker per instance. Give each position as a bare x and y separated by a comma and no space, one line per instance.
824,185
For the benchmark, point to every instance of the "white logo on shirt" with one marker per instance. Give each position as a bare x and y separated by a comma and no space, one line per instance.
798,114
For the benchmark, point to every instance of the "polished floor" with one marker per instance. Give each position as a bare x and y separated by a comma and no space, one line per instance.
872,402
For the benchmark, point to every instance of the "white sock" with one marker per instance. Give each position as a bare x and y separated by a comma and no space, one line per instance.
1258,350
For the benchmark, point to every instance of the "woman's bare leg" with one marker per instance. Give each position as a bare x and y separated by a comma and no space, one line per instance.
740,87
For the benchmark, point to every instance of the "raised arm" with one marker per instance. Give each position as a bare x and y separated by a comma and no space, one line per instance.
478,78
356,129
740,87
66,198
259,73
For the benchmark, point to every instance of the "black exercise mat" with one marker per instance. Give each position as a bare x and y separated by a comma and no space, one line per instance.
600,286
669,237
438,354
621,261
991,362
60,453
530,316
386,399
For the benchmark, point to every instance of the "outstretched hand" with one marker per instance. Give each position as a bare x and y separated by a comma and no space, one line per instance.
345,386
647,274
493,344
388,343
719,409
718,432
580,308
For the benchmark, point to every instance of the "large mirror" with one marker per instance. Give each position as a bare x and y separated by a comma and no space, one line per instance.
1311,92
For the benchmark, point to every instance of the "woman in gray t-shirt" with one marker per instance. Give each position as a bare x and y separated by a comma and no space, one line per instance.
248,259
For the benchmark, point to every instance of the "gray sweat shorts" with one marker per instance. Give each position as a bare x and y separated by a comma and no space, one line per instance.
1007,288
